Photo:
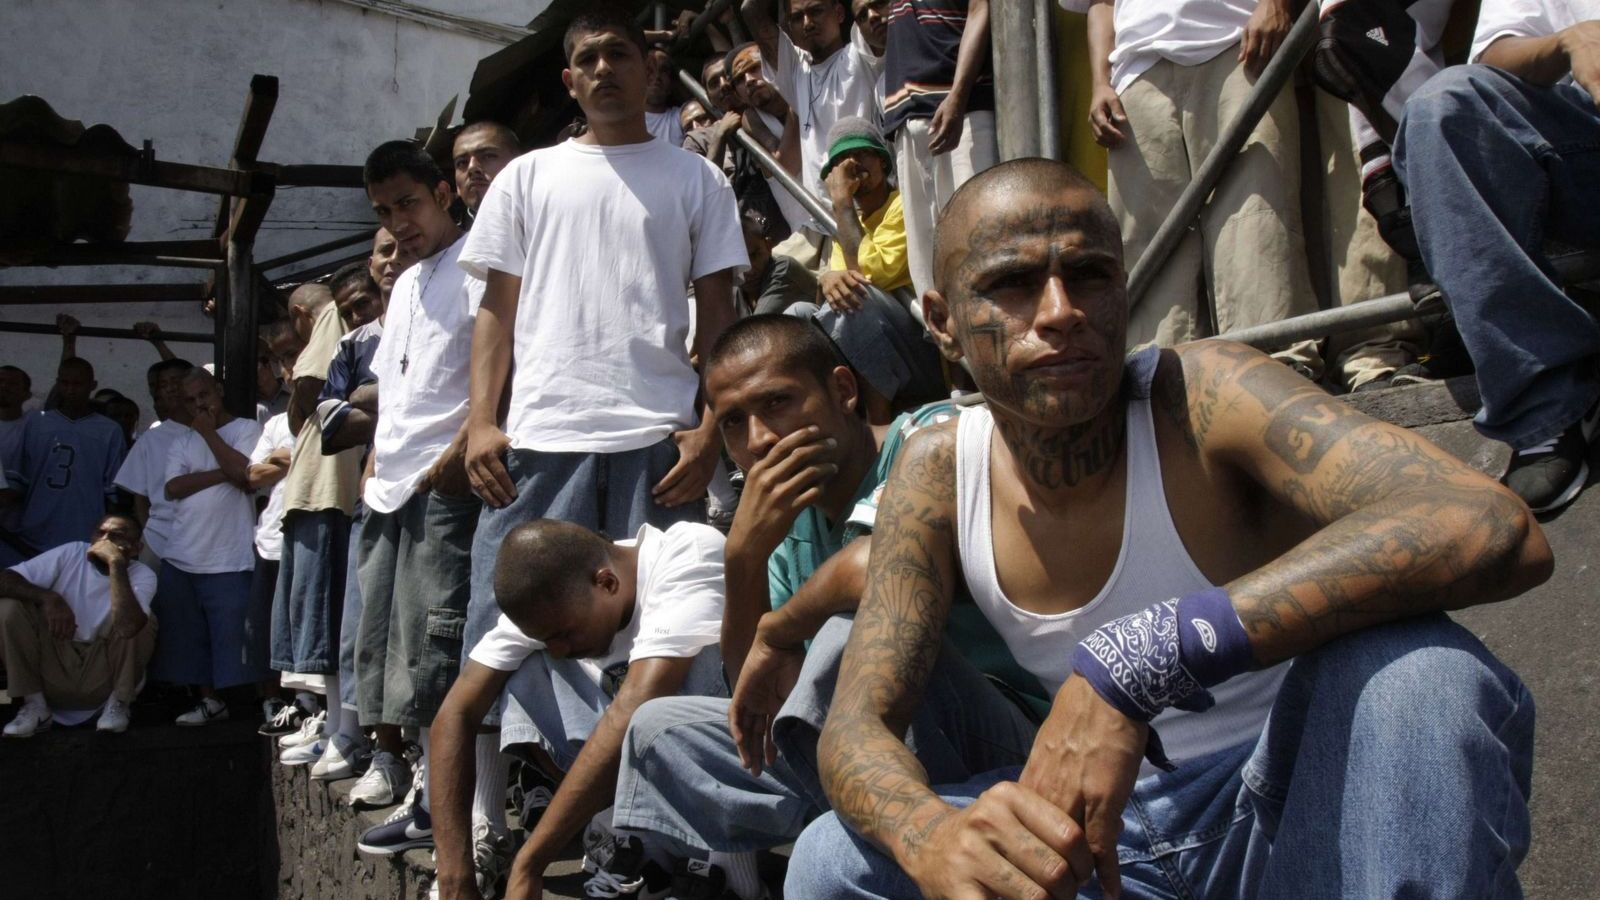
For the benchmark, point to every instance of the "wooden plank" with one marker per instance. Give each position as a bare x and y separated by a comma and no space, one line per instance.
132,169
315,175
40,295
258,107
179,254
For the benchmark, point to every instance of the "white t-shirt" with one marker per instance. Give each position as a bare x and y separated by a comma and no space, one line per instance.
144,472
423,370
269,527
665,125
677,605
793,212
214,529
844,84
67,570
1528,18
1188,32
607,241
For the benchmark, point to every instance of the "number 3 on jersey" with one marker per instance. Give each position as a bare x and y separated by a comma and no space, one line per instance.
60,470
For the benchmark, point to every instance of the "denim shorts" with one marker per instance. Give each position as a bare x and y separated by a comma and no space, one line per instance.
415,573
310,595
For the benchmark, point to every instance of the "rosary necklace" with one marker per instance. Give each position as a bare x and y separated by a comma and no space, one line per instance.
411,321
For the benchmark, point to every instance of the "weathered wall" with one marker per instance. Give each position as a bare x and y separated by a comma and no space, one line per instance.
176,72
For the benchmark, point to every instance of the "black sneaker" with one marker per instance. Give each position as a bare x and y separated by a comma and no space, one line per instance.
1550,475
286,718
696,879
621,871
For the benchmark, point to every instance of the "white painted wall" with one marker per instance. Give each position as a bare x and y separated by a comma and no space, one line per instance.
176,72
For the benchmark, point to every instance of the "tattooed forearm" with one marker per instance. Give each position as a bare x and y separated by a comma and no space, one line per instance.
1442,549
872,780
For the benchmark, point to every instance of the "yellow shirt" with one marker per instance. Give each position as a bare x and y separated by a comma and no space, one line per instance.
882,255
315,481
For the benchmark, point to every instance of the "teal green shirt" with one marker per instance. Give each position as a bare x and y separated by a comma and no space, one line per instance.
812,539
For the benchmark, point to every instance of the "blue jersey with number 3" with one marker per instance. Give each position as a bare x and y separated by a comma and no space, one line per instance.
69,467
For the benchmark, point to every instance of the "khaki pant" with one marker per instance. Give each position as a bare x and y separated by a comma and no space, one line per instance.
1364,267
1248,252
71,674
927,181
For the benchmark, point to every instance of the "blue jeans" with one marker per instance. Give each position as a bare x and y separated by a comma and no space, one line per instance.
604,492
556,703
202,638
681,778
310,597
1495,166
1396,763
886,345
350,620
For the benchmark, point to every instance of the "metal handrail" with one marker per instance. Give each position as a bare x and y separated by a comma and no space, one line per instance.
767,161
1302,37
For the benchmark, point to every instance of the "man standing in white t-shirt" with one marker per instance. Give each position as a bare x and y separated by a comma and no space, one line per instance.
204,594
660,115
590,631
1169,75
76,630
144,471
415,547
822,67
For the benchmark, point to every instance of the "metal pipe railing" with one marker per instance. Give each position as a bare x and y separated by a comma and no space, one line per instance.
1049,88
1279,70
175,337
768,162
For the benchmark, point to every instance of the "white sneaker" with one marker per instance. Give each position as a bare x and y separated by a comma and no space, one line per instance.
304,754
384,782
205,712
31,719
342,759
491,861
310,732
114,718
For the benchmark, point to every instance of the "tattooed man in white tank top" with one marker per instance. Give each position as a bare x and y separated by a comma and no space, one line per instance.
1314,549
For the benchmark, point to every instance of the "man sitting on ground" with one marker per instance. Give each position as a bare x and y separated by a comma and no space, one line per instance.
789,414
589,630
1497,158
1284,525
774,282
76,631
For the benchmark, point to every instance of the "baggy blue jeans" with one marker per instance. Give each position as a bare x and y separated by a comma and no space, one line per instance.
1396,762
681,778
1495,166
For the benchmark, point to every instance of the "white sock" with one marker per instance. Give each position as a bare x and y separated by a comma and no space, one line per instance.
35,701
489,790
212,704
423,734
307,701
740,868
349,724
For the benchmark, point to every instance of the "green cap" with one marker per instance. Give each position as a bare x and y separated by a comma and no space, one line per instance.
854,133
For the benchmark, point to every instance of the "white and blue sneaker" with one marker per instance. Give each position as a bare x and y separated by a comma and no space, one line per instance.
303,754
343,757
310,732
408,828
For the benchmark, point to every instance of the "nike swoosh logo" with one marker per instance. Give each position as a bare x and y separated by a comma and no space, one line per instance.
412,831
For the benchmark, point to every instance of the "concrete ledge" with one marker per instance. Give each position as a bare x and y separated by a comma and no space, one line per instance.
158,811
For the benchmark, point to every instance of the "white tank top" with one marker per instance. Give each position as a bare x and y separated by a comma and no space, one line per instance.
1153,566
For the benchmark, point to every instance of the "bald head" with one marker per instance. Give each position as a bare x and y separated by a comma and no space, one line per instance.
1019,196
311,298
546,561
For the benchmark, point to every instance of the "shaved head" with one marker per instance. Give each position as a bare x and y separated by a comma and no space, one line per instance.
311,297
546,561
1023,193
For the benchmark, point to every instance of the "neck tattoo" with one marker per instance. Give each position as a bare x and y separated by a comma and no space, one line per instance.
1065,459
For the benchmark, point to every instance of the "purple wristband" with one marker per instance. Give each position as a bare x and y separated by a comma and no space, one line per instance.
1212,642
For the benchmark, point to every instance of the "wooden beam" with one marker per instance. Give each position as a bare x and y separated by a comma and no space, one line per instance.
185,337
328,176
236,351
352,240
258,107
143,169
178,254
40,295
317,271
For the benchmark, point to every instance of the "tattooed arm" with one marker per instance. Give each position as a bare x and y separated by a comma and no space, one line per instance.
1405,528
1010,842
